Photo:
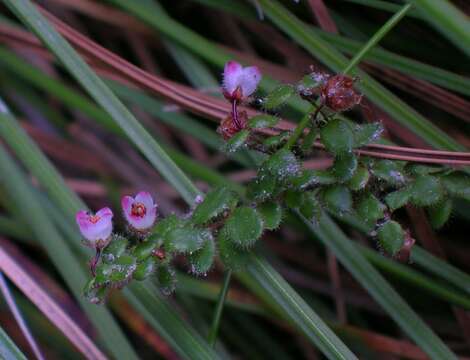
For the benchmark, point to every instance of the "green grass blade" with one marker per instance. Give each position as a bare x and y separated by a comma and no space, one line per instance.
147,300
8,349
374,40
441,268
61,255
371,88
120,114
332,237
449,20
296,310
25,10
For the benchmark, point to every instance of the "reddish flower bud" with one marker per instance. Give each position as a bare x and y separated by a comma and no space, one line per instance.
228,127
338,93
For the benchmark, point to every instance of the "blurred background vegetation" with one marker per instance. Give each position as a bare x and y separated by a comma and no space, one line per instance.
68,139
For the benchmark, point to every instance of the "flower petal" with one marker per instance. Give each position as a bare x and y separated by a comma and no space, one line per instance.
232,74
145,198
249,80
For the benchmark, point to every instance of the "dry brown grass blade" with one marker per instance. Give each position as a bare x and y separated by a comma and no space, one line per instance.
46,304
210,107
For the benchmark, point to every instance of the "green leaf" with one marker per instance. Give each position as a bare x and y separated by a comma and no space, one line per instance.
144,250
370,210
311,177
271,212
202,259
144,269
457,184
399,198
426,191
391,237
237,141
310,207
115,249
338,199
231,255
367,134
337,136
440,213
389,171
263,121
166,279
345,166
169,223
283,165
186,239
276,140
360,179
244,227
263,187
278,96
216,202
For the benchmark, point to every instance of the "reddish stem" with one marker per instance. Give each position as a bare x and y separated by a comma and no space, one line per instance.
94,261
235,114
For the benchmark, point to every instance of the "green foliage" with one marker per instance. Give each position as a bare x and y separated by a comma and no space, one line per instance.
278,97
244,227
202,259
215,203
345,166
237,142
262,121
391,237
337,136
271,212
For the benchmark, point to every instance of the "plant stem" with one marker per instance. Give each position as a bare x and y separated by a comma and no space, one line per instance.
377,37
218,310
300,128
352,63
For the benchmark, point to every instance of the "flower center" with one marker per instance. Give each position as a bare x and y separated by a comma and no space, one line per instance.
138,209
94,219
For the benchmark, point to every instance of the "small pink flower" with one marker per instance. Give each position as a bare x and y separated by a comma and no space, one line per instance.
140,211
96,229
240,82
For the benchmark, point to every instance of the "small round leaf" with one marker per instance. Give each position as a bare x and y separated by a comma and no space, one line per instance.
338,199
337,136
244,227
439,214
271,213
262,121
202,260
278,96
144,269
345,166
215,203
391,237
427,191
236,142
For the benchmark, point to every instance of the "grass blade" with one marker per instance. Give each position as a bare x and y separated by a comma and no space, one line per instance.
8,349
449,20
25,10
371,88
295,308
331,236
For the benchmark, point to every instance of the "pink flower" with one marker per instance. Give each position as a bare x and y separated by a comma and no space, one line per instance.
140,211
239,82
96,229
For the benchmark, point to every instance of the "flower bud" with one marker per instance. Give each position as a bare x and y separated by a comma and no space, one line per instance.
239,82
97,228
140,211
338,93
